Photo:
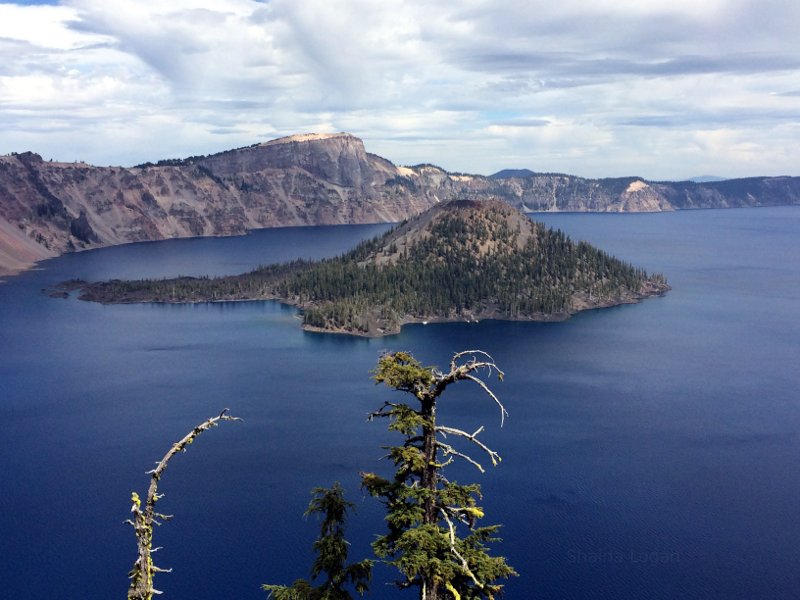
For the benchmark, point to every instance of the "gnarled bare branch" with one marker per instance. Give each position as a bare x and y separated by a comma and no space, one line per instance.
456,553
144,519
447,449
503,411
472,437
465,371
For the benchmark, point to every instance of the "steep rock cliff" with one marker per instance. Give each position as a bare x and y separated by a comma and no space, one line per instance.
47,208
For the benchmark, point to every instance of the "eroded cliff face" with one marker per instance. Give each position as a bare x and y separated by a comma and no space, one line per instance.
48,208
553,192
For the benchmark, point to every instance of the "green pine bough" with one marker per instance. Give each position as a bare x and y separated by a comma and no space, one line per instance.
331,550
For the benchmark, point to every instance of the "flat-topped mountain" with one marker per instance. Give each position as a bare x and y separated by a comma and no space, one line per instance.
461,260
48,208
339,159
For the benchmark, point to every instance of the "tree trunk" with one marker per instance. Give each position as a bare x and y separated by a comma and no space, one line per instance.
430,589
428,478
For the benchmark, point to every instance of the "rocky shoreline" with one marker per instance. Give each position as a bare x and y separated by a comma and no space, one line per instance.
383,331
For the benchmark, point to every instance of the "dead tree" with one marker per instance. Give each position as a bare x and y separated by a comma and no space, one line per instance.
143,520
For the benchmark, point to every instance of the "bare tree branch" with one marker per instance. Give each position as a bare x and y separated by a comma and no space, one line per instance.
447,449
472,353
503,411
456,553
472,437
141,575
464,371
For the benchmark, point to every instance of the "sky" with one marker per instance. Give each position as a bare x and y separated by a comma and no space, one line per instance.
664,89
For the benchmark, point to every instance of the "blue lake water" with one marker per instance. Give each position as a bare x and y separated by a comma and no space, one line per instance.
651,450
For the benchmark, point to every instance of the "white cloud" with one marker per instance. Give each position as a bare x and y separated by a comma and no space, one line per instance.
663,89
40,26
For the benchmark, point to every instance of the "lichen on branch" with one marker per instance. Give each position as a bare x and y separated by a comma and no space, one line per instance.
144,518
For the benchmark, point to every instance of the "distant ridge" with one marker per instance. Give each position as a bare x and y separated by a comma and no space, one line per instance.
48,208
509,173
706,179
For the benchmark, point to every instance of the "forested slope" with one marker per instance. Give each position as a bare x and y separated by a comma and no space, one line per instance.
463,260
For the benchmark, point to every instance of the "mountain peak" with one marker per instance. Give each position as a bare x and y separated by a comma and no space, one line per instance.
481,226
309,137
335,158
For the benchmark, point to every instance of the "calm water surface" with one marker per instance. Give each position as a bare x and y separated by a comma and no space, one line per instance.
651,450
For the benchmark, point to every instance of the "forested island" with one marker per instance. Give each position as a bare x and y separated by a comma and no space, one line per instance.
461,260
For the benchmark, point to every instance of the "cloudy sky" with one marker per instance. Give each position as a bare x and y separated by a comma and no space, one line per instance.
666,89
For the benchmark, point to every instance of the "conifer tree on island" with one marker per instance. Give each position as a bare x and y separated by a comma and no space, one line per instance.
433,539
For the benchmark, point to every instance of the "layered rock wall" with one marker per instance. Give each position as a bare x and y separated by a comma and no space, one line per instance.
47,208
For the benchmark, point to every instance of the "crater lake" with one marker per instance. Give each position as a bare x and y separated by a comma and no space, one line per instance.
651,450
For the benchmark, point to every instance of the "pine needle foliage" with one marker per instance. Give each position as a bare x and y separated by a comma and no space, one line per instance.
331,550
433,539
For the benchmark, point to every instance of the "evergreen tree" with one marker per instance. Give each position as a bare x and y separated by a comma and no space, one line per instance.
331,550
433,539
